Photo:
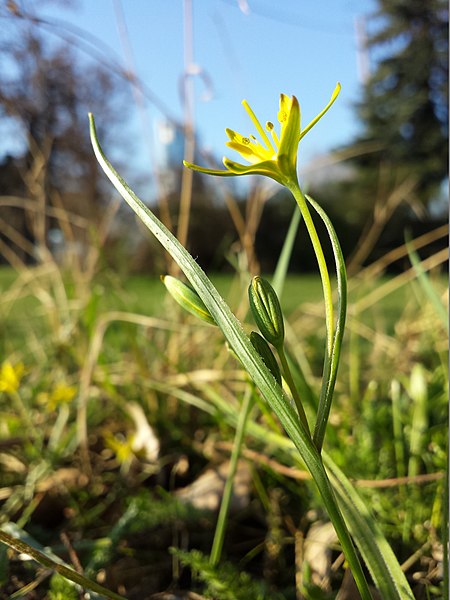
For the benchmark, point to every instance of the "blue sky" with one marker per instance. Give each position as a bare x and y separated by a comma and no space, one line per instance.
251,49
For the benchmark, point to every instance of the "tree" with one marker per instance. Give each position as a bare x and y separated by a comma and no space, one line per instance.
404,107
399,162
46,91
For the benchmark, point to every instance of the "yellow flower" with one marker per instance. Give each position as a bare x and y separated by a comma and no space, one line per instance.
274,156
122,448
10,377
61,394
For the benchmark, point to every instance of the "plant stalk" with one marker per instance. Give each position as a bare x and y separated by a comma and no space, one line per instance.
295,395
219,535
322,264
331,365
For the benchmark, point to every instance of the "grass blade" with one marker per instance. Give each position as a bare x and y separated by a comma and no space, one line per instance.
377,553
62,569
279,276
426,284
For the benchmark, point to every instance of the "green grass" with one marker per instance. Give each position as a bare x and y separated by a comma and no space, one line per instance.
7,277
158,370
146,294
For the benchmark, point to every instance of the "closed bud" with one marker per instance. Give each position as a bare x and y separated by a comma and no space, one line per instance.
187,297
266,310
263,349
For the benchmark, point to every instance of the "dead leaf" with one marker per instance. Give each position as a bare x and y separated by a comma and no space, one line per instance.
144,440
317,552
205,493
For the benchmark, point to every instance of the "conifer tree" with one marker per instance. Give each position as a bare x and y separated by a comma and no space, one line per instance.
405,102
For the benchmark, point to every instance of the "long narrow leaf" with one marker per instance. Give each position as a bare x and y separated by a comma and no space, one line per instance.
377,553
426,284
233,332
44,560
370,540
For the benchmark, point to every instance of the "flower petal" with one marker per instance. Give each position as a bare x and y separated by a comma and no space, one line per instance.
248,147
269,168
254,153
290,136
258,126
335,94
217,172
283,113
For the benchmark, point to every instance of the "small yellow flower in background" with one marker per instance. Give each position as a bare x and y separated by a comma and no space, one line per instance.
61,394
274,156
10,376
122,448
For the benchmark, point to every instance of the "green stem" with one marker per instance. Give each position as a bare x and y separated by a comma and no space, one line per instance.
331,366
323,269
329,499
295,395
219,535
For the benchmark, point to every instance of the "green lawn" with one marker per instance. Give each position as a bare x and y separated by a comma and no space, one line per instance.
145,294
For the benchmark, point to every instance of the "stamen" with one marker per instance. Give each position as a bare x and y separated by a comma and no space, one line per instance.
273,133
275,138
258,126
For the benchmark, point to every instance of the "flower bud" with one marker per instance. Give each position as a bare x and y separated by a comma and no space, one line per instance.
187,297
263,349
266,310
